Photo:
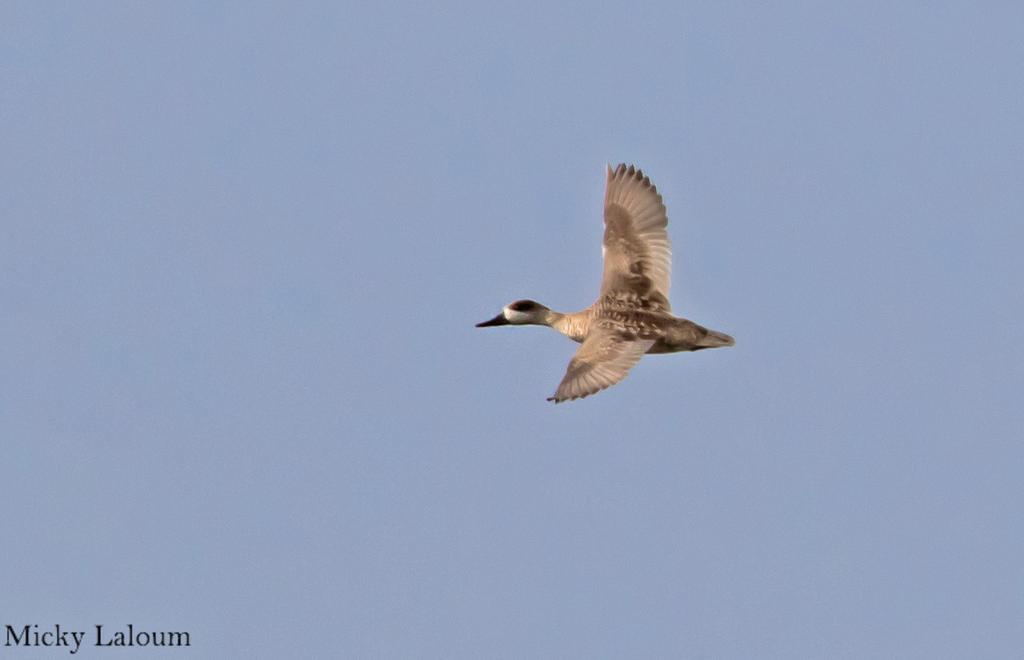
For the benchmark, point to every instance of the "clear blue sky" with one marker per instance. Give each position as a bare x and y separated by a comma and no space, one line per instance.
243,247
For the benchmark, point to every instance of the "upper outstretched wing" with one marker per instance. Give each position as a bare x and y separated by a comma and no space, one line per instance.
604,358
637,251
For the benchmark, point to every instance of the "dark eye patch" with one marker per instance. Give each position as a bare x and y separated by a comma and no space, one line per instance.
522,305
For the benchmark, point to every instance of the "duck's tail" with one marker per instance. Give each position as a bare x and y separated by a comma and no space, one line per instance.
714,339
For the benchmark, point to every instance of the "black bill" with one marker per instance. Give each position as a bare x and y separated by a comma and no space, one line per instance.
497,320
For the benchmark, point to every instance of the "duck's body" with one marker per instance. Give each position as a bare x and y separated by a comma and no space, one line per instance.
632,315
671,334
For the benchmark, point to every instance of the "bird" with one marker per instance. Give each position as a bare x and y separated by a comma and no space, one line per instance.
632,315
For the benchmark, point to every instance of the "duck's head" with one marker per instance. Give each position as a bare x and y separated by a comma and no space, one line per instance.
520,312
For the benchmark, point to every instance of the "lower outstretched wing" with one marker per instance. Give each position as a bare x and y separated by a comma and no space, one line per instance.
604,358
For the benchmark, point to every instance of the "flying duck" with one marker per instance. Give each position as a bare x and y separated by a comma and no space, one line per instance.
632,315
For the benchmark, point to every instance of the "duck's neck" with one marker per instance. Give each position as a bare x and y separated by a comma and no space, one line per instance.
573,326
